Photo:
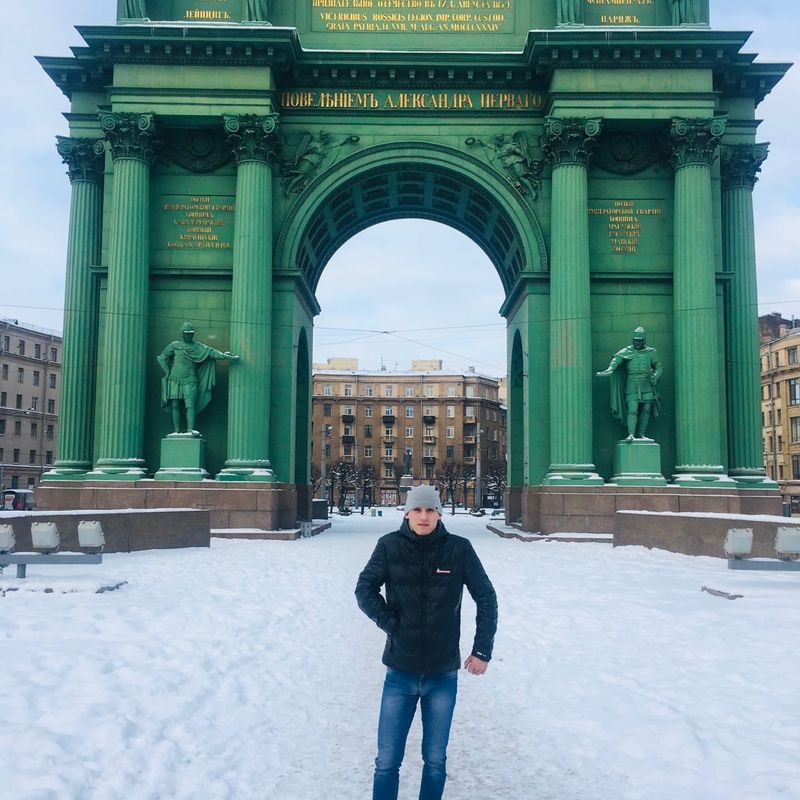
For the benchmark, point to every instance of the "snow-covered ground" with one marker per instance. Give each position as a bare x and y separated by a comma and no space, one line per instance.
247,671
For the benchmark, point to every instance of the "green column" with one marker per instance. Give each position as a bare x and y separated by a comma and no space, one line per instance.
122,391
740,165
84,160
568,145
252,139
697,380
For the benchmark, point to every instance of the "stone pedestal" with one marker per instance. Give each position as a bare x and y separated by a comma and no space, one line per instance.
637,462
183,458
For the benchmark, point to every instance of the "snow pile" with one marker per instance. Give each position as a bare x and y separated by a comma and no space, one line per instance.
247,672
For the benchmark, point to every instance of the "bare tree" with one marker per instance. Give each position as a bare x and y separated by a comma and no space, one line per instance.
466,475
496,480
447,479
348,479
315,479
367,479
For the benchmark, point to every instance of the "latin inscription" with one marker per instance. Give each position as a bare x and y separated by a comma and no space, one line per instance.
625,222
199,222
413,16
411,101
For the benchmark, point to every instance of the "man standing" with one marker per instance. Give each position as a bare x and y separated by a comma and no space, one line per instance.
635,371
424,569
189,376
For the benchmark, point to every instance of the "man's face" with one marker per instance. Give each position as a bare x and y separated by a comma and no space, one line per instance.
638,342
423,520
188,336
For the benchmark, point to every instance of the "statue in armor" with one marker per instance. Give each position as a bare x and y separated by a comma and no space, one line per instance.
131,9
635,371
686,12
569,12
189,377
256,11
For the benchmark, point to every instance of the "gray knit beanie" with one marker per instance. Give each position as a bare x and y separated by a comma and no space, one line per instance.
423,497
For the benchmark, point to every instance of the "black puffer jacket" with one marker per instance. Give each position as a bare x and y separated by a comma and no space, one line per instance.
421,615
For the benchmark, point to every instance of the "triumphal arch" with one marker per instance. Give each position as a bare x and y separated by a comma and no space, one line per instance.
602,153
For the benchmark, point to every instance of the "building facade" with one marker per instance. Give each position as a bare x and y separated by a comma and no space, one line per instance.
30,384
780,404
410,423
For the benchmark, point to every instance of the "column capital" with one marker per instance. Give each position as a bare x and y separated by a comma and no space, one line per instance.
252,137
571,140
83,157
741,163
130,134
695,141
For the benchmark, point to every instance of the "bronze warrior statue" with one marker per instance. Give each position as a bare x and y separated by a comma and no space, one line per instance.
635,371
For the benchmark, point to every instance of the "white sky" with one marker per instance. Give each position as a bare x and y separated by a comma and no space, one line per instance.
247,672
429,276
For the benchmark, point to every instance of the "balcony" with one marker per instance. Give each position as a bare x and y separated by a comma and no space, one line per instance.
429,440
348,418
348,439
429,419
471,420
388,459
389,439
428,459
348,459
470,440
388,419
469,459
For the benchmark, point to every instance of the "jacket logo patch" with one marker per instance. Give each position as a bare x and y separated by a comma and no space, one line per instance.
442,571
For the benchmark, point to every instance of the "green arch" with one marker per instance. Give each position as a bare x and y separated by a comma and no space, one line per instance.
418,180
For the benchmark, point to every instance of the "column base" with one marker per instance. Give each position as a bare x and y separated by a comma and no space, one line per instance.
572,475
637,462
67,471
752,479
183,457
118,469
702,475
247,471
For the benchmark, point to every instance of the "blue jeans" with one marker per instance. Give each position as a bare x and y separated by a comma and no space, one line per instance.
437,697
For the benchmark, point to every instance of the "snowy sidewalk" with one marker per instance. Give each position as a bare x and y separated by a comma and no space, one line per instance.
247,672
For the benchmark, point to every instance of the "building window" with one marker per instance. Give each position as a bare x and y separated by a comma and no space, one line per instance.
469,411
368,391
348,390
388,411
429,391
780,472
327,451
409,412
409,391
21,347
429,470
388,452
388,472
348,450
54,354
428,411
388,431
428,452
780,444
791,354
327,409
6,343
794,391
49,432
409,433
796,468
34,403
451,411
327,390
52,380
5,372
451,452
48,458
18,402
470,390
3,398
20,375
15,456
367,411
451,391
450,432
17,428
2,428
34,430
31,456
795,423
36,375
51,406
37,350
347,410
348,430
368,431
368,451
388,391
429,430
779,416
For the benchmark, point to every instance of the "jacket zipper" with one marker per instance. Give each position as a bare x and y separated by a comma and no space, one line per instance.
424,609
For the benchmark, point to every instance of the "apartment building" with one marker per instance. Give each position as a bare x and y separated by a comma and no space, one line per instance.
30,383
780,403
406,423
